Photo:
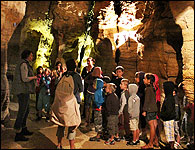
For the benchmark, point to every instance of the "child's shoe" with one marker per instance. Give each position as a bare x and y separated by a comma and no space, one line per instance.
94,139
117,139
109,142
131,143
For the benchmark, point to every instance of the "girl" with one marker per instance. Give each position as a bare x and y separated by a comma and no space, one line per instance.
44,96
150,109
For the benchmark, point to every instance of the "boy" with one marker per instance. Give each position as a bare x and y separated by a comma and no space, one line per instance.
123,111
167,113
134,111
116,79
112,108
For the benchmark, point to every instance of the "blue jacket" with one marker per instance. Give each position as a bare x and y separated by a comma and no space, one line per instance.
99,99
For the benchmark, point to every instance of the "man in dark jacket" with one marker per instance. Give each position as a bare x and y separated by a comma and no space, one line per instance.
167,113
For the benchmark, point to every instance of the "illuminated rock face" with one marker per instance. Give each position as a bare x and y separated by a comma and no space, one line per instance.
183,12
151,35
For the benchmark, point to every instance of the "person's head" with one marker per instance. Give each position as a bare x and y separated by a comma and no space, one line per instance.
54,73
168,87
106,80
149,79
124,84
139,76
27,54
110,88
40,70
133,88
90,61
97,72
58,66
71,65
119,71
47,71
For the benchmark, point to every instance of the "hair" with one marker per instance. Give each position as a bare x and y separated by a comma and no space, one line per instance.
39,69
126,81
150,77
112,86
119,67
71,65
25,54
106,79
47,69
91,59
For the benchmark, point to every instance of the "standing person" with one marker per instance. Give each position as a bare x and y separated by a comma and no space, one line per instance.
97,106
44,95
139,76
78,86
23,86
54,81
167,113
112,108
65,108
85,72
97,73
134,111
39,76
123,111
106,80
59,69
150,110
116,79
177,119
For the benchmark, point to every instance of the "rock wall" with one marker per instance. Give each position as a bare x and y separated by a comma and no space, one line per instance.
183,12
12,13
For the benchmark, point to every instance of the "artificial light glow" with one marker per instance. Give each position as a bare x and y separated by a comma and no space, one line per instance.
46,40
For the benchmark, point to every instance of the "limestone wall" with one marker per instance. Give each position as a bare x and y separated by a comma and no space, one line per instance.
183,12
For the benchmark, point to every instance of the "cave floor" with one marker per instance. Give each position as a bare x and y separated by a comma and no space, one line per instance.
44,136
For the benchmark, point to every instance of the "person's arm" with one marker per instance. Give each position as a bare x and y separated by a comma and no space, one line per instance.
24,73
79,82
123,102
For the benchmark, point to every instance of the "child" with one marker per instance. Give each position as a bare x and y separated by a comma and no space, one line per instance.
116,79
98,101
106,80
90,92
44,96
134,110
39,76
150,109
167,113
139,76
123,111
112,108
177,119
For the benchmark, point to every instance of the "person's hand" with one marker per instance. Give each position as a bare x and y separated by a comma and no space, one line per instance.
35,77
144,113
100,108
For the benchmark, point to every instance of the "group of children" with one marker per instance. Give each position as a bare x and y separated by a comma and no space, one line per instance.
45,89
129,106
118,105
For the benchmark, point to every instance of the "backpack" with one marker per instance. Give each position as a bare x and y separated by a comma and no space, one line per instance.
65,104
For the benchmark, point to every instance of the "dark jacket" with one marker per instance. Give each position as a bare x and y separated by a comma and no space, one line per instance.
168,108
78,86
150,100
117,82
112,104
